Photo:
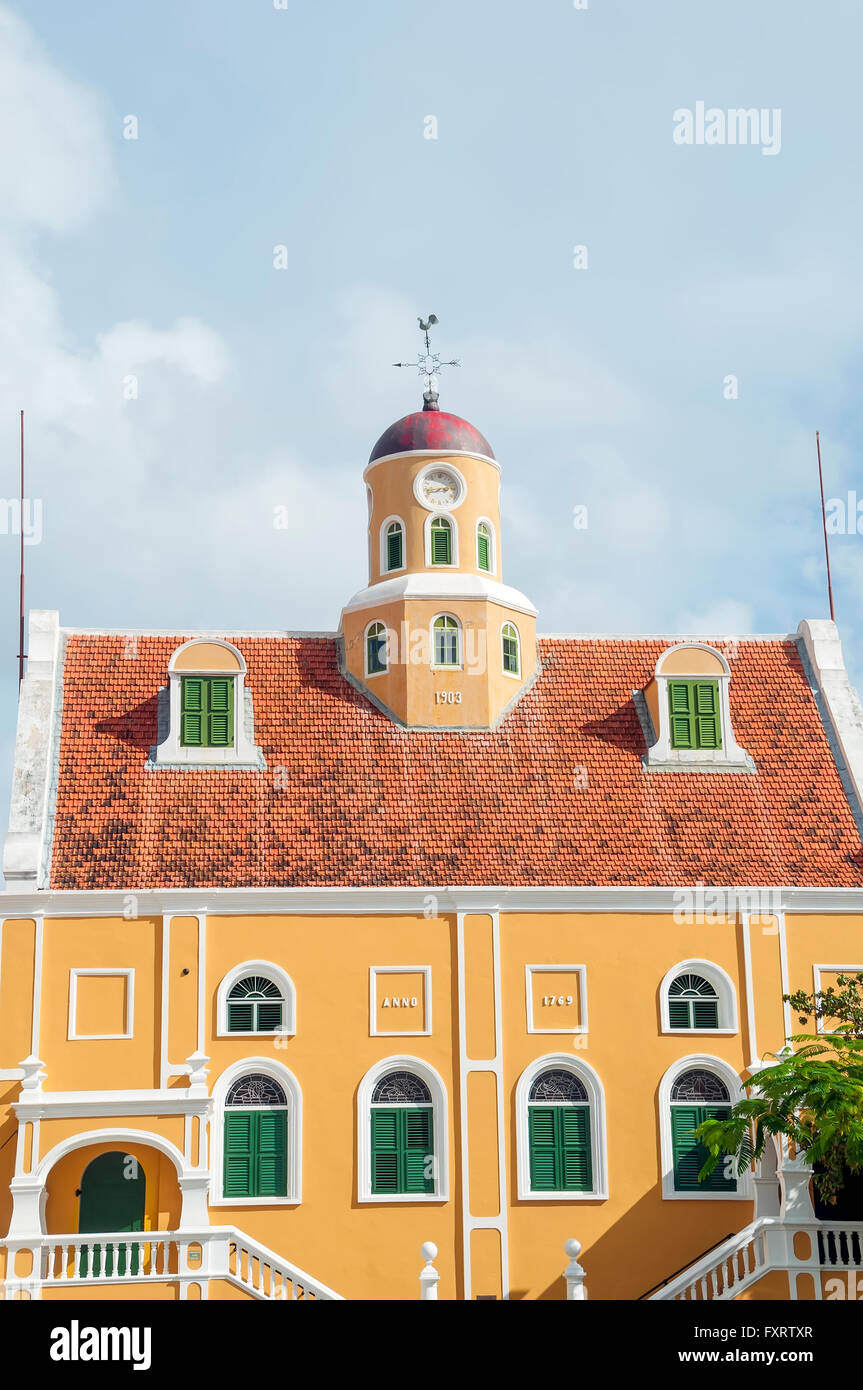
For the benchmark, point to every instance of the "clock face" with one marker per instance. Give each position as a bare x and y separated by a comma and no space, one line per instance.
440,488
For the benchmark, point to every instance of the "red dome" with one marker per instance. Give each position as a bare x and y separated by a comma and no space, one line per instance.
431,429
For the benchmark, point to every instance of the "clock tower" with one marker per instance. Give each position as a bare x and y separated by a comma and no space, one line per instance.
436,639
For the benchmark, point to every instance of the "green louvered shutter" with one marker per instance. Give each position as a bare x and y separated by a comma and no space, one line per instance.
193,713
271,1153
417,1147
543,1148
682,720
221,713
705,1013
678,1013
385,1150
441,544
240,1019
707,726
575,1167
239,1144
269,1017
689,1154
394,550
482,549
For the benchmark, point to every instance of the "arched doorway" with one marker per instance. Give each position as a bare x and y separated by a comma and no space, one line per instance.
113,1196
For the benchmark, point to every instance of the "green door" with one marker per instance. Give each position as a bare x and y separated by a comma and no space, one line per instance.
112,1199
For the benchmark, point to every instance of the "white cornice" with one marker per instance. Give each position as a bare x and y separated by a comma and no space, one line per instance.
356,902
67,1104
419,454
440,588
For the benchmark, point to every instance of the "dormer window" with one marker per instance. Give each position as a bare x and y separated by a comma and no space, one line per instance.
685,712
205,715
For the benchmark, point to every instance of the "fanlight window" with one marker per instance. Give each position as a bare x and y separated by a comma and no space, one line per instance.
559,1138
692,1003
395,546
700,1087
376,649
255,1005
696,1096
447,644
441,541
483,546
510,651
255,1139
402,1135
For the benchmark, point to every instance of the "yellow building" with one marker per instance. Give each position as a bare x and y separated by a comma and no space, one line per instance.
320,947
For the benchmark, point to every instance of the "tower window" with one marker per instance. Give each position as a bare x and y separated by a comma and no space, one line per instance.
692,1003
483,546
207,712
395,546
510,649
694,714
441,541
447,641
376,649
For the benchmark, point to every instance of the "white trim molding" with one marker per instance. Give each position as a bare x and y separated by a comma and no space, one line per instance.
283,982
660,755
422,474
725,993
839,704
279,1073
560,1061
169,751
100,972
581,972
697,1061
374,971
440,584
440,1125
27,848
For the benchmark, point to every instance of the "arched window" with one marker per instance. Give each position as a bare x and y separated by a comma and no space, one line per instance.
559,1134
441,540
205,716
257,997
484,547
686,705
402,1130
255,1138
255,1005
510,653
446,636
376,649
697,996
394,547
560,1130
694,1090
692,1003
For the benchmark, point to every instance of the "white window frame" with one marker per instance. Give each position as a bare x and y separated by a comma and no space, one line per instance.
72,1033
453,525
384,568
661,754
816,981
243,752
440,1125
492,545
725,993
279,977
736,1091
598,1147
370,675
446,666
374,972
279,1073
580,971
511,675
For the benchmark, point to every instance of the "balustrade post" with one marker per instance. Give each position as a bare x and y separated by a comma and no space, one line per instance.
574,1274
428,1276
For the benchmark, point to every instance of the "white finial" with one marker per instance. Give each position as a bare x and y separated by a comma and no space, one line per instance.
574,1274
429,1276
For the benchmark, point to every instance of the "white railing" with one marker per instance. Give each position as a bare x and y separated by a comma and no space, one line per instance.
764,1246
183,1257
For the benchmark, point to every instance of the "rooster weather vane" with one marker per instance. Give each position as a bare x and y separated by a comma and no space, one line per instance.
428,364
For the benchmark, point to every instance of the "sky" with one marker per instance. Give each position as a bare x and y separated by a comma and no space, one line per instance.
219,222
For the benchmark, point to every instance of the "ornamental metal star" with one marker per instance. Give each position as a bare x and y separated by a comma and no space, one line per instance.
428,363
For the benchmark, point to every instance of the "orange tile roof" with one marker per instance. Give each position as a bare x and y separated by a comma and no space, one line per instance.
365,803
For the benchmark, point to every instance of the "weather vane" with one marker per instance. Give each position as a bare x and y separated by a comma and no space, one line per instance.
428,364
